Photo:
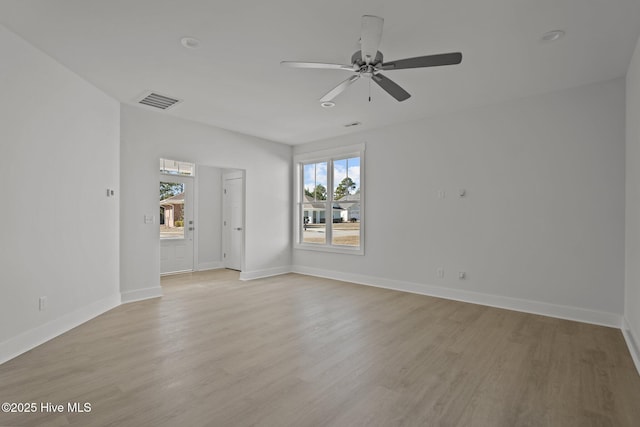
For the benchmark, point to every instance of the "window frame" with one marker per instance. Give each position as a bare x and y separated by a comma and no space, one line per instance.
329,156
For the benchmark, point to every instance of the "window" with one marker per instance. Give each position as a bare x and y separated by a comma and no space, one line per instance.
171,210
175,167
172,197
329,200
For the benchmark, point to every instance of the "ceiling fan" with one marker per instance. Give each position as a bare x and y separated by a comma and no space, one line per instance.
368,62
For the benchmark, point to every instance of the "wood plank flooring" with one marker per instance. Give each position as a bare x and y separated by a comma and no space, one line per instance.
303,351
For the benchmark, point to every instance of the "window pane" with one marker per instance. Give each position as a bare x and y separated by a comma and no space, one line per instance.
315,181
174,167
171,210
346,224
346,179
314,223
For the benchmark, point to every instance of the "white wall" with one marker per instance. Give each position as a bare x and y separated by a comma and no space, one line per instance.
147,136
541,227
209,218
59,139
632,279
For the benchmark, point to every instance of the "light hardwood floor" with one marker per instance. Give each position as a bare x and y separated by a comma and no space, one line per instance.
303,351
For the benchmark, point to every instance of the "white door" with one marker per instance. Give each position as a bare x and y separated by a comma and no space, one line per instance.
176,224
233,220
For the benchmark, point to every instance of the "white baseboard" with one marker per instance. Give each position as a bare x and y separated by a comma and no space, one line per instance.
141,294
214,265
632,342
32,338
258,274
527,306
173,273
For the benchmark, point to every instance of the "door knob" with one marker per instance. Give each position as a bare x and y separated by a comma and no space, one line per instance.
191,228
239,228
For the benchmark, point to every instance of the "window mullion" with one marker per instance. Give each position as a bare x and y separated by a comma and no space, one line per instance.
329,205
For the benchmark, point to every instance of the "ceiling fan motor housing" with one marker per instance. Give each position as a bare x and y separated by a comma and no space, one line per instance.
356,59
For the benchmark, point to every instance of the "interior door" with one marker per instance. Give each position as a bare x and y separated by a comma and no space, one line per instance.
233,220
176,224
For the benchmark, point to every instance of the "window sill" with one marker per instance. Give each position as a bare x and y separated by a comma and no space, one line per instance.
332,249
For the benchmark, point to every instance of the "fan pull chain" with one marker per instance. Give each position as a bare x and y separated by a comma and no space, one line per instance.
369,90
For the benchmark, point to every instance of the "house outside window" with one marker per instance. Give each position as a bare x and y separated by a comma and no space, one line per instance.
329,195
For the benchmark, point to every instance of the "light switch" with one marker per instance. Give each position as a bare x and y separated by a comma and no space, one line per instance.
148,219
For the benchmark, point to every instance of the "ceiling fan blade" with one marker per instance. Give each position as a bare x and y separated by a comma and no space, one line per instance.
370,37
424,61
340,88
296,64
391,87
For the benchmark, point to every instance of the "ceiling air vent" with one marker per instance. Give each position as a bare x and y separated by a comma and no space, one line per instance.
156,100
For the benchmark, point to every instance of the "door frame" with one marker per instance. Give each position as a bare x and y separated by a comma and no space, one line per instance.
228,174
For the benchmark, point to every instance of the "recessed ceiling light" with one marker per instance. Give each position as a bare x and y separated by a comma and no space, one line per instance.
552,35
348,125
328,104
190,42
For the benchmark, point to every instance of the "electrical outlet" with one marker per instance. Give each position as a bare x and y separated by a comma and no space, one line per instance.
440,272
42,303
462,275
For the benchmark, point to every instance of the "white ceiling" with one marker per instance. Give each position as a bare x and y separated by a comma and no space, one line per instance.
235,81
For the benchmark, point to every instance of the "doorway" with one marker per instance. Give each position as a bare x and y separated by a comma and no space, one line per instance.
233,220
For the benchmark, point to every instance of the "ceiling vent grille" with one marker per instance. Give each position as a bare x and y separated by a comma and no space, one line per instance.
156,100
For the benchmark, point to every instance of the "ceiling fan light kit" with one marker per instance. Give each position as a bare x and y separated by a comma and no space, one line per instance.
369,62
552,36
190,42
